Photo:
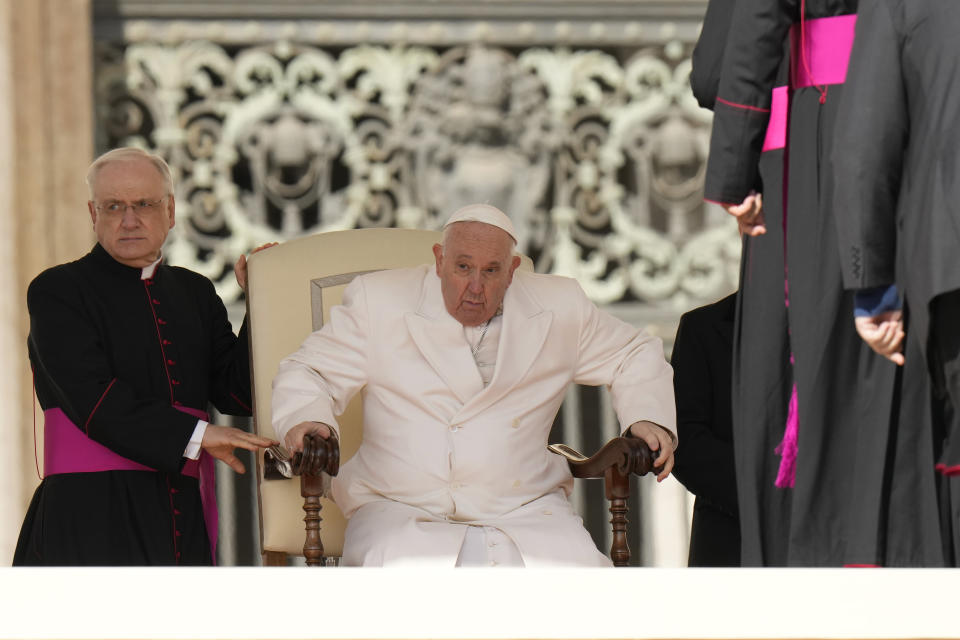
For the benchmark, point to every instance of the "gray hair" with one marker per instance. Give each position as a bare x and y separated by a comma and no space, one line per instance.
127,153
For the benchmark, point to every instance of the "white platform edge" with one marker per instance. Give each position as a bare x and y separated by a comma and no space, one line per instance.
484,603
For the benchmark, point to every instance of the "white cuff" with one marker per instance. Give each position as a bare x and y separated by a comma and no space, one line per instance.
193,447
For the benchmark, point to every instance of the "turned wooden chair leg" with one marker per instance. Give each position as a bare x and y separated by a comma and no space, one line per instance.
311,487
618,493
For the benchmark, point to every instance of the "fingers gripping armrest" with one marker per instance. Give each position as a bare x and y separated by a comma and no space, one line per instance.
628,454
319,456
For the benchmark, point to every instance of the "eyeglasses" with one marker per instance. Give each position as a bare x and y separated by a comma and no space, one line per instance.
140,206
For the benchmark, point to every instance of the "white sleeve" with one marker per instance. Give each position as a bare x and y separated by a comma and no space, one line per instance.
630,362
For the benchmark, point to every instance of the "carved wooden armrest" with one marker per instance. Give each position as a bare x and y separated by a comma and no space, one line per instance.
614,463
319,456
628,454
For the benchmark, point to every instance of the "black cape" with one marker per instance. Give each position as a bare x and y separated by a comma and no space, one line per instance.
115,353
842,386
899,223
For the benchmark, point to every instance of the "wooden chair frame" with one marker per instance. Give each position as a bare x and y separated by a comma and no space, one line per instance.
615,462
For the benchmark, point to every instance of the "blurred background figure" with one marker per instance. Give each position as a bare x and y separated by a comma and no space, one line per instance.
701,361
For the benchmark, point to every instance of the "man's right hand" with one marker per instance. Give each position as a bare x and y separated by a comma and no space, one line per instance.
749,214
883,333
220,442
660,440
293,441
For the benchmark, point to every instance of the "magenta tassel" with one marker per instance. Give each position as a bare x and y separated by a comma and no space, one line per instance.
787,449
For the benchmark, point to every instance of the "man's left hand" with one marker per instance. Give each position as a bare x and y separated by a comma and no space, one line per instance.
221,442
659,440
240,268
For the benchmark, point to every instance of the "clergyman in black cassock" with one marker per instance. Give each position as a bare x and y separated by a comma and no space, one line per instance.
127,353
761,375
899,224
842,388
701,360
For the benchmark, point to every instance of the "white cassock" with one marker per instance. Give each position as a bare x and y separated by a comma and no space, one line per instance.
441,450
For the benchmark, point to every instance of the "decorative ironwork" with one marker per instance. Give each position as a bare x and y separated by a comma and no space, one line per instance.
597,154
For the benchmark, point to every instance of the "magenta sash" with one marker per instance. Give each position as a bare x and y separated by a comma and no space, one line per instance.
821,56
776,137
67,449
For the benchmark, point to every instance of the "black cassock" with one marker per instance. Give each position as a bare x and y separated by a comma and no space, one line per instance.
701,361
117,353
827,518
900,222
761,375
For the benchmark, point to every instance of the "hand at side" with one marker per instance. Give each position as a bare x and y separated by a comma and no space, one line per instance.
883,333
749,215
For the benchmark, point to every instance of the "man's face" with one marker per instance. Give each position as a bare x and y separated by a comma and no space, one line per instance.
131,211
475,268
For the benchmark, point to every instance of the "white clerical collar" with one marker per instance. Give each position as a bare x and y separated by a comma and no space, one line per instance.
147,272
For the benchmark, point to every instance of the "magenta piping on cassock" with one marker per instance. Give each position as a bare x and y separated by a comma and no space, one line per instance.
948,470
67,449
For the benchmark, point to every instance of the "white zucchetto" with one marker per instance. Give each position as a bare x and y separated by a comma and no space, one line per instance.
485,213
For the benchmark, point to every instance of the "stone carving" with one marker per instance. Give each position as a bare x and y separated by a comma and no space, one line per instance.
599,160
479,132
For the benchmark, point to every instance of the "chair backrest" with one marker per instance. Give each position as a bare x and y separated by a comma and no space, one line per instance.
291,289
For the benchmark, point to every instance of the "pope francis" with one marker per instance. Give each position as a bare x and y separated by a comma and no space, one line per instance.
464,364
